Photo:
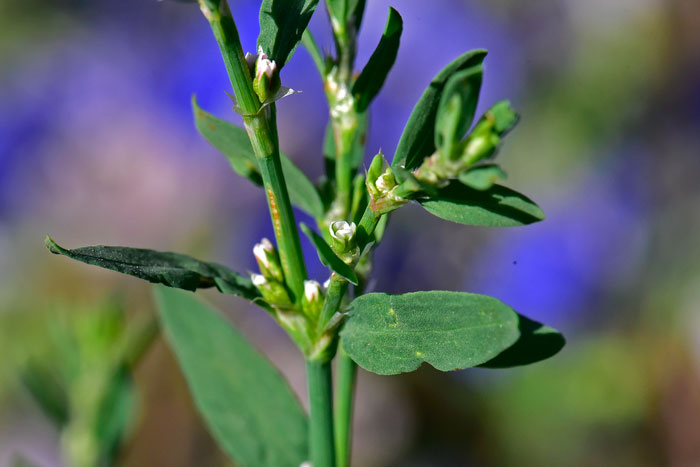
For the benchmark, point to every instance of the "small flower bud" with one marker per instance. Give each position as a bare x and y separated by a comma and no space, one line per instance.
258,280
266,81
313,298
343,235
386,181
268,261
273,292
382,186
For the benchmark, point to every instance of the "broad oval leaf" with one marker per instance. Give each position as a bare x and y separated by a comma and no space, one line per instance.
457,107
390,334
161,267
282,23
496,207
536,342
418,139
373,75
233,142
328,256
245,402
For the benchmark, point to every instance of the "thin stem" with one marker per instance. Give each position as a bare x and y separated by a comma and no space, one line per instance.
344,395
262,130
226,34
318,376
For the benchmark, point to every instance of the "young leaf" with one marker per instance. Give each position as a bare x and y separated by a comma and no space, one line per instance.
496,207
171,269
328,256
233,142
374,74
536,342
282,23
482,177
390,334
246,403
418,140
457,107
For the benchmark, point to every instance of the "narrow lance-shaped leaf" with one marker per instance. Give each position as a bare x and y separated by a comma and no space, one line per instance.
496,207
233,142
418,140
171,269
536,342
328,256
390,334
244,401
282,23
457,107
374,74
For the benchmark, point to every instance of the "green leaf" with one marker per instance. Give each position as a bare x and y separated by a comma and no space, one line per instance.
496,207
282,23
374,74
390,334
246,403
233,142
482,177
457,107
536,342
44,384
418,140
328,256
171,269
115,414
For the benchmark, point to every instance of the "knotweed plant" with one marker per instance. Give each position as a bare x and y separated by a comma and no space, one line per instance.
444,162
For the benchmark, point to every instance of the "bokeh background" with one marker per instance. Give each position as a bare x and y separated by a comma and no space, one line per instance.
97,146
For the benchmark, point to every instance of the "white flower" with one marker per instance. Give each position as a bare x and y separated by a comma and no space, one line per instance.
258,280
262,250
342,231
263,65
327,283
312,291
385,182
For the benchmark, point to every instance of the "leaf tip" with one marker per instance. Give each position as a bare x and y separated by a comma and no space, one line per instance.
52,246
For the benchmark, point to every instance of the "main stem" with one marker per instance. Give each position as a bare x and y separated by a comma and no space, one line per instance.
261,126
262,129
346,372
322,449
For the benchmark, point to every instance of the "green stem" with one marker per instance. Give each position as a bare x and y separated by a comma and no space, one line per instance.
262,130
344,131
366,227
261,126
318,376
345,389
224,28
